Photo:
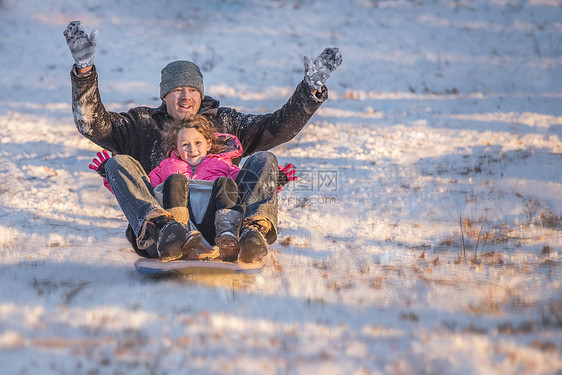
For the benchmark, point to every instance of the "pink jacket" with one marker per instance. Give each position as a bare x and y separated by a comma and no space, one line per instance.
211,168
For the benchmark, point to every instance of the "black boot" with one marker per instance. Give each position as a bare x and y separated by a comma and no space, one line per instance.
253,244
172,240
227,226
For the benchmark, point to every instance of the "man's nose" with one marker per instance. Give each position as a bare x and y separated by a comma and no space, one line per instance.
184,94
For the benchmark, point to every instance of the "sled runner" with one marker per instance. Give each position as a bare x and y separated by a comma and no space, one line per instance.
148,266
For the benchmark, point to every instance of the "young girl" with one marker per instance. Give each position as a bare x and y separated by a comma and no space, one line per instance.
197,153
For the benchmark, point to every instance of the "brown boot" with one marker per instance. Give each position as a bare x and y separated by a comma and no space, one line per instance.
253,243
172,240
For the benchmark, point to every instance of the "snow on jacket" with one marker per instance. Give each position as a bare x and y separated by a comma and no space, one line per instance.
137,132
211,168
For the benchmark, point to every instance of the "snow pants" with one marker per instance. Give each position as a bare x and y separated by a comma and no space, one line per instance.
222,193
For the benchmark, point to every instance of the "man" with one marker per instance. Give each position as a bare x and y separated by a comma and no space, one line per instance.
135,138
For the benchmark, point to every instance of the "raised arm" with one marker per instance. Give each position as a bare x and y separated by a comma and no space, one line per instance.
263,132
109,130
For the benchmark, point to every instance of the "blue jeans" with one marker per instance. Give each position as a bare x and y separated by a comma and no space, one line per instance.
257,185
132,189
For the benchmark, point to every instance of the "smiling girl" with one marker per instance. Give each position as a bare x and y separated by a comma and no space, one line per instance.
196,152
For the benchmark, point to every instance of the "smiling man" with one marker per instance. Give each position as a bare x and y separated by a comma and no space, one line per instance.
135,137
185,100
182,102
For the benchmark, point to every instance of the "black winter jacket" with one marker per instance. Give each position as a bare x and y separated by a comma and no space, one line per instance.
137,132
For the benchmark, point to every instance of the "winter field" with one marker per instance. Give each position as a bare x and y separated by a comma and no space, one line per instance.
425,233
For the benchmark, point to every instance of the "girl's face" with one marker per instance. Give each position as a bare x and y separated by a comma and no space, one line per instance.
192,147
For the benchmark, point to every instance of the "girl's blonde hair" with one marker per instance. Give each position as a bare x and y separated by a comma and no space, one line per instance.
197,122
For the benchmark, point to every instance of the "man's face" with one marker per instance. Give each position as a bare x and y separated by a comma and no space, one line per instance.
182,102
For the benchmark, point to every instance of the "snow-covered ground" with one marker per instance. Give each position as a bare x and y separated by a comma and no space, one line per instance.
425,234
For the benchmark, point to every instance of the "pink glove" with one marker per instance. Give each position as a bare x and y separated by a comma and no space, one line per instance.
99,162
99,167
286,174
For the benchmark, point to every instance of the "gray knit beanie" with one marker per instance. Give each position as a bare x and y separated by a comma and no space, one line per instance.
180,74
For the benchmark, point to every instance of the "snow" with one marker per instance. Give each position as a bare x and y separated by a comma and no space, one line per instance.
442,113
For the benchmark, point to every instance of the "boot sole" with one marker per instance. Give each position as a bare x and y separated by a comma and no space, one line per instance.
170,248
193,240
175,249
229,248
253,246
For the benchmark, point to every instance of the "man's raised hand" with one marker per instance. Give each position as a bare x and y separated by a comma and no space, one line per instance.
82,47
317,72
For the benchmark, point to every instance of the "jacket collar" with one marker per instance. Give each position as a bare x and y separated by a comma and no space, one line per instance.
233,146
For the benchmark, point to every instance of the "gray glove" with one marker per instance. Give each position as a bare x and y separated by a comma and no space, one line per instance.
317,72
82,47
